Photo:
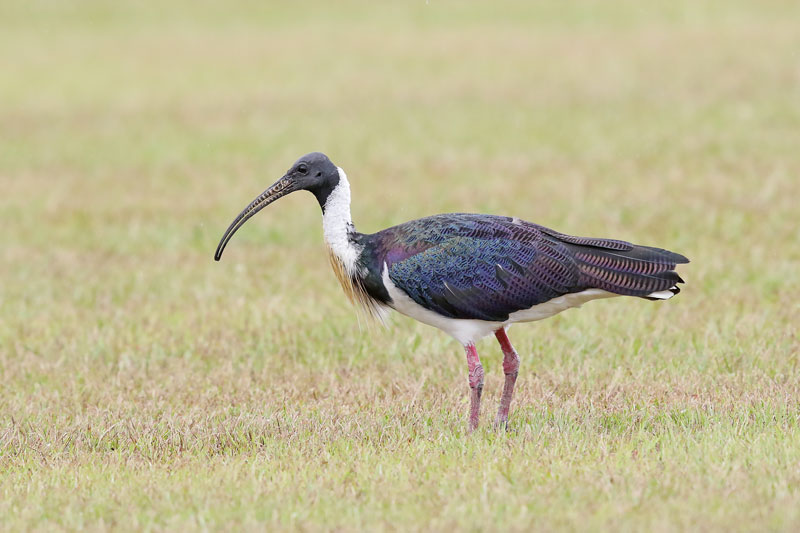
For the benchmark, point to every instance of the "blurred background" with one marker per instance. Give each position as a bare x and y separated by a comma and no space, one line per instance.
132,133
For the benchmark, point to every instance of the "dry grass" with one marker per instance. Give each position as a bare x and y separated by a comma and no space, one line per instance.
143,386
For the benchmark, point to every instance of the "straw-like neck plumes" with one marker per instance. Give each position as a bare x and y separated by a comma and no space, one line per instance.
344,252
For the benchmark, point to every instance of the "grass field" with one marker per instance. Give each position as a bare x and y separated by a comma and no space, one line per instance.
144,386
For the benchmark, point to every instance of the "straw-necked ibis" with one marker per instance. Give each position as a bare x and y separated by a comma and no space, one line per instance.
469,275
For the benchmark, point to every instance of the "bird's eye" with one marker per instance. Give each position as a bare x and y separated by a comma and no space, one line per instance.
302,169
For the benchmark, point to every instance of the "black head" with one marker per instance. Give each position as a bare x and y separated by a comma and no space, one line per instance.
313,172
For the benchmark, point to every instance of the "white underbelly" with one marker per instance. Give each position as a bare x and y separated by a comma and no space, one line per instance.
558,304
468,331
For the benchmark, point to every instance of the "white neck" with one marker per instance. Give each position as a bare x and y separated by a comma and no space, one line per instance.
337,224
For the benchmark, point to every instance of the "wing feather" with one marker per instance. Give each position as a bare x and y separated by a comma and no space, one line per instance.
487,267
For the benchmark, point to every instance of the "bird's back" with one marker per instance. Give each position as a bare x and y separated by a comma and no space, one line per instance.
485,267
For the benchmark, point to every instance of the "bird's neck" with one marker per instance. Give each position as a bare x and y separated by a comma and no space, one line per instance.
344,246
337,225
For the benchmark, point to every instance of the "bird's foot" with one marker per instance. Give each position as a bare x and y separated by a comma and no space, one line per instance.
501,424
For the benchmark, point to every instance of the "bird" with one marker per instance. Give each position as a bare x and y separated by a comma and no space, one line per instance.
469,275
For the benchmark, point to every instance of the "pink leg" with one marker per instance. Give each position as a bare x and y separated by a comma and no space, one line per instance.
511,369
475,385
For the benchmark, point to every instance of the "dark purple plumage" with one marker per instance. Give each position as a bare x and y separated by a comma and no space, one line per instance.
486,267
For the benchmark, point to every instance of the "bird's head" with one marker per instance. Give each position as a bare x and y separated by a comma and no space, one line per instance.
313,172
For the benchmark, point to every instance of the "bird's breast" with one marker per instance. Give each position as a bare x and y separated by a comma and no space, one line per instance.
354,288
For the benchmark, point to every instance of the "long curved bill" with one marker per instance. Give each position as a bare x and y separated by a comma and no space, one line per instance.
280,188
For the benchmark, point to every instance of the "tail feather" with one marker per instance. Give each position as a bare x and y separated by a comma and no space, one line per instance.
640,271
